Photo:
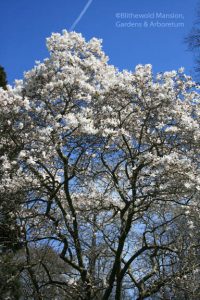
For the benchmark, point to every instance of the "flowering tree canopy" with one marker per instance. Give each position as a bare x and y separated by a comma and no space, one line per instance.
103,167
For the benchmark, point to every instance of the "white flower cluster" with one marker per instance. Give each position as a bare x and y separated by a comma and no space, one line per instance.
141,124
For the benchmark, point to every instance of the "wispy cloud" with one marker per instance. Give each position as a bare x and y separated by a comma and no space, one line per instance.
81,15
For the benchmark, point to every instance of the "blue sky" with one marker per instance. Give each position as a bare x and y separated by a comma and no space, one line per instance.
25,24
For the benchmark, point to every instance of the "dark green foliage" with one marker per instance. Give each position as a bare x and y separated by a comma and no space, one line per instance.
9,278
3,80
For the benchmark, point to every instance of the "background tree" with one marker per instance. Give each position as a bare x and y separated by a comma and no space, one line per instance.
9,205
187,285
193,42
3,80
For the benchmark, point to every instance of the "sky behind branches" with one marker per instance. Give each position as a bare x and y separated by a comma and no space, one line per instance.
24,26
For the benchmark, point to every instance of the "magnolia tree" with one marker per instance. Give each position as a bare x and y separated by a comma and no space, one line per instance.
105,172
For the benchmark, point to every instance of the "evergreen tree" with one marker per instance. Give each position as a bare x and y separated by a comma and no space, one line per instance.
3,79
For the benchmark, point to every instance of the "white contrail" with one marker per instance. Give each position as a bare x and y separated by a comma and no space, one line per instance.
81,15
